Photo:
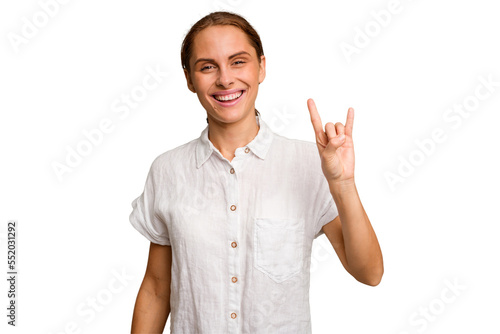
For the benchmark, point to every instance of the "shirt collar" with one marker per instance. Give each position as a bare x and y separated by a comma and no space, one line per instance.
259,145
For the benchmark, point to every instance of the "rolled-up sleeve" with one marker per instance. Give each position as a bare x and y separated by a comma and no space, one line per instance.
144,217
327,210
329,214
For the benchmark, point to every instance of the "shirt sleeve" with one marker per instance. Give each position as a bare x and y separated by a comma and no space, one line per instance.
144,217
328,211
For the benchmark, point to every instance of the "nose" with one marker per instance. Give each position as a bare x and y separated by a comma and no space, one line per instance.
225,78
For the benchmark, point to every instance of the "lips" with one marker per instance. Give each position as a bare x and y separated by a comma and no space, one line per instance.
228,98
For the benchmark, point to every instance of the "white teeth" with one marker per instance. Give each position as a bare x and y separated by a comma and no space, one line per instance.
228,97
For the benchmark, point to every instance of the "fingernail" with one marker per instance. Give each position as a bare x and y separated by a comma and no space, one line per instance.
341,137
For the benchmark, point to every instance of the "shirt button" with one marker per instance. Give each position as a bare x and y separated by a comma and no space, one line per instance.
234,244
234,279
231,171
233,207
247,150
233,315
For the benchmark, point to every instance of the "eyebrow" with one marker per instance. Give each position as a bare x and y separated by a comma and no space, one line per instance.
230,57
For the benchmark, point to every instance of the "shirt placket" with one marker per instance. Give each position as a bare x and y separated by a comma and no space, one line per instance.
234,281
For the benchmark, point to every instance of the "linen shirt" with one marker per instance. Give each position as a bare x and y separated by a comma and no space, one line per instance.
241,232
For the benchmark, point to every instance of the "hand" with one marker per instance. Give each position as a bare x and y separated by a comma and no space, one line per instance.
335,147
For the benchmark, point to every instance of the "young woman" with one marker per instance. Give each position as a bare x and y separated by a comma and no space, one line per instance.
231,215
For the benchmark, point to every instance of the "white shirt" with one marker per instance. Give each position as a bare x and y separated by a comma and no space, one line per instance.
241,232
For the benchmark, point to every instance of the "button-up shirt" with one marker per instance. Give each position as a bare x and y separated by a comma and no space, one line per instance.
241,232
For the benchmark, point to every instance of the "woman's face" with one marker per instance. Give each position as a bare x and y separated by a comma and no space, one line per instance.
225,73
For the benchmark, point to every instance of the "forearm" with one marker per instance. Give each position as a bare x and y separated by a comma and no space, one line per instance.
362,250
152,308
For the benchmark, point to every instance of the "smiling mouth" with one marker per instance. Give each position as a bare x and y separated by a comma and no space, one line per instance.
228,97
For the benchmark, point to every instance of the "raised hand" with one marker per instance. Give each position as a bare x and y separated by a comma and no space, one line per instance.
335,146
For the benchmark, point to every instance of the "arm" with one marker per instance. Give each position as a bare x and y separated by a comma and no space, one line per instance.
152,306
351,233
353,238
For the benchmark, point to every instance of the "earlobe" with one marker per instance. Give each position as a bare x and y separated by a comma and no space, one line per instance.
189,82
262,70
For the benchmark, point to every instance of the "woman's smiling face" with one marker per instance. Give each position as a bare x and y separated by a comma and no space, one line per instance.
225,73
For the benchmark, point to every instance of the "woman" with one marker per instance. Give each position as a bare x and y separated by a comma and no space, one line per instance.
231,216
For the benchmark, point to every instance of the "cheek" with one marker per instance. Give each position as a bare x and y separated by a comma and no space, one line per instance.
201,83
251,78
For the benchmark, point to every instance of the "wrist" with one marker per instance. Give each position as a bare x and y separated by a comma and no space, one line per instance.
342,186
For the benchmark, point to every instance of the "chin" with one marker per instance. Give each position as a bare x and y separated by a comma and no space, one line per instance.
228,116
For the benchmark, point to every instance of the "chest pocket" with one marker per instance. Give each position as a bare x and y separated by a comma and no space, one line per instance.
279,247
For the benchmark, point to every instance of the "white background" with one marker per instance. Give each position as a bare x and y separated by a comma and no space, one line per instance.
437,224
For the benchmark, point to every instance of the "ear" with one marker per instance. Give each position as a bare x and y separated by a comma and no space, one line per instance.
262,69
189,82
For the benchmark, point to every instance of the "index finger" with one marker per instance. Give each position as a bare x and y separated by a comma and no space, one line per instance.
315,119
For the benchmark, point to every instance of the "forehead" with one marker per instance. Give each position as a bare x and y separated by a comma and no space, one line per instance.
221,42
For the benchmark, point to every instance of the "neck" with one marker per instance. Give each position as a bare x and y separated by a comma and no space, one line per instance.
227,137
